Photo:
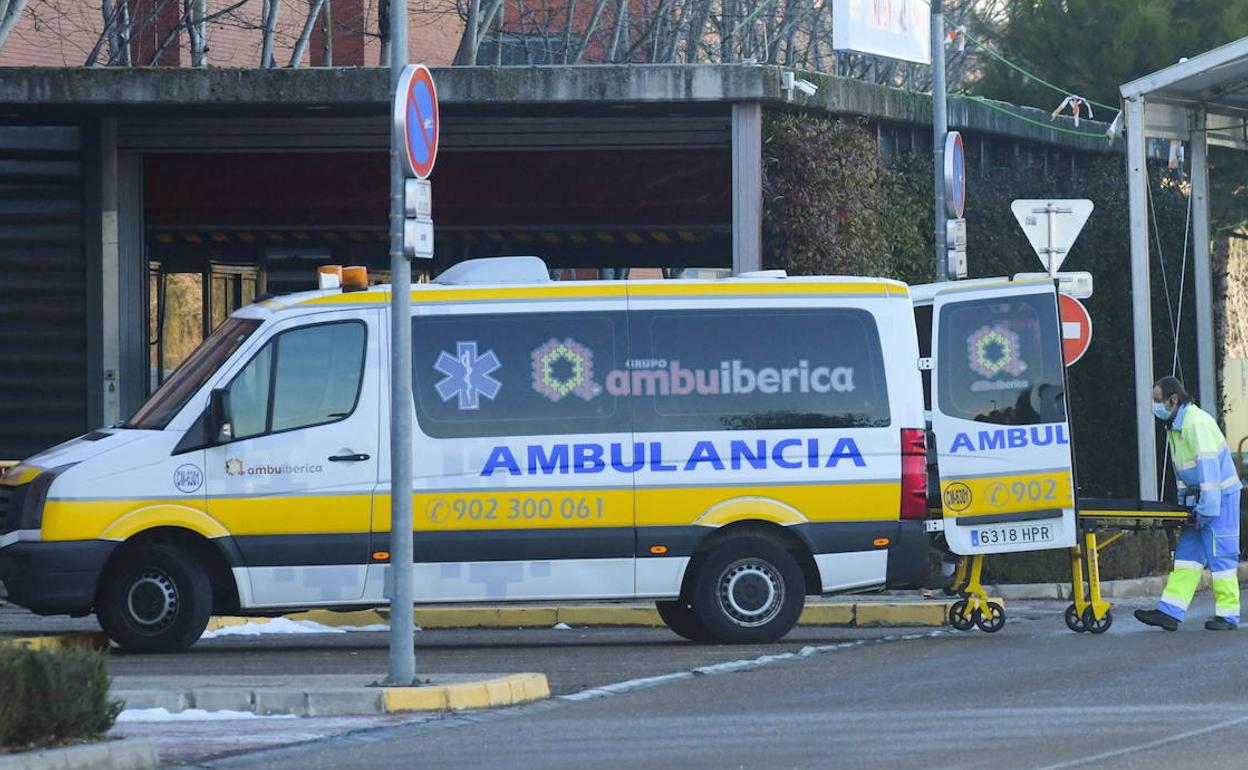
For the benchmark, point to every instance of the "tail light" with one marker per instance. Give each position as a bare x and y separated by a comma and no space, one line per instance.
913,473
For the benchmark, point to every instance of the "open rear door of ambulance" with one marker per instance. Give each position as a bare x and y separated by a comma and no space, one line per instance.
1000,420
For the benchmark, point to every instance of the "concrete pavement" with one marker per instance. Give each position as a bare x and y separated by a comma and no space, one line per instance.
326,694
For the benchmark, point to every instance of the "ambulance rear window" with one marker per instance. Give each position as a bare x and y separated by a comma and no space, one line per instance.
1000,361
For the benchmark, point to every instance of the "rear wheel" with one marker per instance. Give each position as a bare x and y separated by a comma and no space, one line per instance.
749,590
683,620
154,598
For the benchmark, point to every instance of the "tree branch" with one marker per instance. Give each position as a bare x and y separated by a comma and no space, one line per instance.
8,21
269,21
301,45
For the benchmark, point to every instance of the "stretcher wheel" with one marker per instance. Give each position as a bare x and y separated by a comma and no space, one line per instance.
1073,621
957,618
993,621
1097,626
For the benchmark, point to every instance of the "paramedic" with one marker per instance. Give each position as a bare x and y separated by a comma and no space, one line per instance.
1208,484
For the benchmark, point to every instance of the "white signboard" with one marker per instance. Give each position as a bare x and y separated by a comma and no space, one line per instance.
898,29
1051,226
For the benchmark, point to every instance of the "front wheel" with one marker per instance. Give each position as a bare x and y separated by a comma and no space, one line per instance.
154,598
749,591
683,620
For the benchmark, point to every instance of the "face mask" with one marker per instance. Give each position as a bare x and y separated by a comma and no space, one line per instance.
1160,411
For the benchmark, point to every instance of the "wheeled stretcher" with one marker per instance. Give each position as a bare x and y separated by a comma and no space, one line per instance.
1102,522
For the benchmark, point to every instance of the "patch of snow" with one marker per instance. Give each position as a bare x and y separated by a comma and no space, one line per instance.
288,626
562,627
191,715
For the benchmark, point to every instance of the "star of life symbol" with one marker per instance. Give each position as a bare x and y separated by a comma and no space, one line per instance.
467,375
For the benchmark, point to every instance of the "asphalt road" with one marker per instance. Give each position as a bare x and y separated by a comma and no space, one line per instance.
572,660
1034,695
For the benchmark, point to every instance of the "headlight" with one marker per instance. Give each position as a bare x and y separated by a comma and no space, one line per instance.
31,516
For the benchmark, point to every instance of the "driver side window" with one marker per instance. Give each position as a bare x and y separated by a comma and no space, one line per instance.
300,378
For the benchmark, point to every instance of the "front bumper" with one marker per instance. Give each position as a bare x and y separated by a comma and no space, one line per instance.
909,559
54,578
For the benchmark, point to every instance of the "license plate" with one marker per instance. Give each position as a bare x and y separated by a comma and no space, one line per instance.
1023,533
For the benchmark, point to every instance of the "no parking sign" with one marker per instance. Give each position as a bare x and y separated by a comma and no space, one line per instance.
416,120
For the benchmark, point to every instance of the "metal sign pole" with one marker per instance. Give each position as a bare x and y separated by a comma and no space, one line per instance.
1052,212
402,641
940,127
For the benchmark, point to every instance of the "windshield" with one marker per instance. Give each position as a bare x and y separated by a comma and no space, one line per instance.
188,378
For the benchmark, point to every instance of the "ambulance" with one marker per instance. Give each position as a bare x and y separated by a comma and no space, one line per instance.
722,447
995,399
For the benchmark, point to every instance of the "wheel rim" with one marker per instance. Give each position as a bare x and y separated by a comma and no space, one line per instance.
751,592
152,601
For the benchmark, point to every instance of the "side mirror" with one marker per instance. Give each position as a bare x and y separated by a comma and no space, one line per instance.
219,428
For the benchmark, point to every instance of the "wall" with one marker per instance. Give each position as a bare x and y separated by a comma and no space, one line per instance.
62,33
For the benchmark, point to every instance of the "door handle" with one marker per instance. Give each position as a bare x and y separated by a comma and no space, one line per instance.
347,458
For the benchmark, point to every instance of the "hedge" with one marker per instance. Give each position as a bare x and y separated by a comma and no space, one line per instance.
831,207
52,697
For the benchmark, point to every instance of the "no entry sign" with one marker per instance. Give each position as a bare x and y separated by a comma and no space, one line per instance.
1076,328
416,120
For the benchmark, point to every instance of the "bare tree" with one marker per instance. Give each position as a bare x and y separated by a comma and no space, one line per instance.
272,10
194,13
795,33
327,48
301,45
10,12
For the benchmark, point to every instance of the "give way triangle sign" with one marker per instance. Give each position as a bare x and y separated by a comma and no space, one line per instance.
1051,226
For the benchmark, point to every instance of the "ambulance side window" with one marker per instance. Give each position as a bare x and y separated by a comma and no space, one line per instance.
301,378
518,374
756,369
1001,361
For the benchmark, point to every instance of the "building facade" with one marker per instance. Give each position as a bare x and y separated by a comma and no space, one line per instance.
139,206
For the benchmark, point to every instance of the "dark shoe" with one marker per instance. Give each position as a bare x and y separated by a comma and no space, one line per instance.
1220,624
1157,618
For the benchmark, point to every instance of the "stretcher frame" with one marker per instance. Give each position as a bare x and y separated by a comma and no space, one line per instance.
1088,610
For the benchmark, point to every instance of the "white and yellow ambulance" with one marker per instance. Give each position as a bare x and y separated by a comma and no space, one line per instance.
995,393
725,448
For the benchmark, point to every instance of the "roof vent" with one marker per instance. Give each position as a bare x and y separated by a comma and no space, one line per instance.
495,270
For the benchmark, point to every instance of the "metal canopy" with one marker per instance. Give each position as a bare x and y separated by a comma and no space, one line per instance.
1204,101
1216,80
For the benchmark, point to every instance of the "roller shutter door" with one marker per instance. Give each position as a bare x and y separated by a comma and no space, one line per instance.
43,313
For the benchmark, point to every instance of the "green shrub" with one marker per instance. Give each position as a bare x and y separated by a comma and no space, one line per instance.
53,696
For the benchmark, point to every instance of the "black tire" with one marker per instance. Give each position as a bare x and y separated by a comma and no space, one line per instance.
154,598
1073,621
1094,626
749,591
993,620
683,620
957,620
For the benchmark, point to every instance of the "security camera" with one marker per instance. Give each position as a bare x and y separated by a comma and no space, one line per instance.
790,81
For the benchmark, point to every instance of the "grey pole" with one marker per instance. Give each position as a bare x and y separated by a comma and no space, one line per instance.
1141,312
940,127
402,643
747,187
1203,272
